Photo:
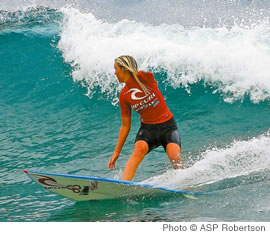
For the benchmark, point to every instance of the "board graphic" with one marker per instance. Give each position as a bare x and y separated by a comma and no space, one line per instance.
85,188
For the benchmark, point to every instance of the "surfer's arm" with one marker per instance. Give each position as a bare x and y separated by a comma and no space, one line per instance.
124,131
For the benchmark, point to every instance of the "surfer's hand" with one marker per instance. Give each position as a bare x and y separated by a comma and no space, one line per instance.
113,159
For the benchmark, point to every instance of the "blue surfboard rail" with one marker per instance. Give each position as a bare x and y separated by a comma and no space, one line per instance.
132,183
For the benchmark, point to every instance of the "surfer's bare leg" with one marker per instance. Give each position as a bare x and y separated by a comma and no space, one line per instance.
174,154
140,150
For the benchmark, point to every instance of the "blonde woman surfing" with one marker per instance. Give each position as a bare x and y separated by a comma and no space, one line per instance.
158,126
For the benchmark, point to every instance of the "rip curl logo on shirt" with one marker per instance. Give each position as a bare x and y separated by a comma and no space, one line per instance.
134,92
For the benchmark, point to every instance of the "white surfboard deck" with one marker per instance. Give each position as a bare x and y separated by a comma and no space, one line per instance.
85,188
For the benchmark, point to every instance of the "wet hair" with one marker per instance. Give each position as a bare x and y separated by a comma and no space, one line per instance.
129,63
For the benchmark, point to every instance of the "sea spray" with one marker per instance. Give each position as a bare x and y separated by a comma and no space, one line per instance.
241,158
233,61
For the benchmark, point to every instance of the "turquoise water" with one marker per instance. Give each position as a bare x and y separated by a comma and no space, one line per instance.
59,113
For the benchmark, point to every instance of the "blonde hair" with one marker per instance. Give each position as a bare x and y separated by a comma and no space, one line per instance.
130,64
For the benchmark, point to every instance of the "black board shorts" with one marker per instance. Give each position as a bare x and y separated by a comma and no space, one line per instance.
159,134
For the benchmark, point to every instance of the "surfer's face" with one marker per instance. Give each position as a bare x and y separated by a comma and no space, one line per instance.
121,74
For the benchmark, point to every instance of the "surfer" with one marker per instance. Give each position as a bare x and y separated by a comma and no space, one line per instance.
158,127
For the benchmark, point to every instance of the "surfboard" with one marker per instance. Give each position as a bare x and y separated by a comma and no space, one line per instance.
86,188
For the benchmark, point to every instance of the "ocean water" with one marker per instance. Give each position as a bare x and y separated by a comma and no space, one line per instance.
59,108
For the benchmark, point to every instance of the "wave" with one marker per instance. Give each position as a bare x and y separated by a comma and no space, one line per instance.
240,159
185,12
41,21
233,61
31,15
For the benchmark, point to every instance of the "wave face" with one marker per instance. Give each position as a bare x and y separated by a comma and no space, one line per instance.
60,112
233,61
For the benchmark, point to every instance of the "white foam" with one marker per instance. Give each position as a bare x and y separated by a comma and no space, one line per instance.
236,61
238,159
185,12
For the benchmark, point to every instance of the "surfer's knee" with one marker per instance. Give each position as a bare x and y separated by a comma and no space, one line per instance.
173,149
174,154
140,150
141,147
